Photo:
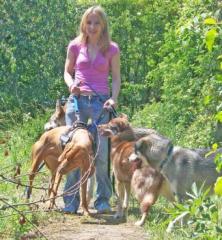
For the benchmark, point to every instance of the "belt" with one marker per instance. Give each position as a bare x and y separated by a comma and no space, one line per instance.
89,97
93,96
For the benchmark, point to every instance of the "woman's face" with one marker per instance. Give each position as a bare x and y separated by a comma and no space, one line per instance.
93,26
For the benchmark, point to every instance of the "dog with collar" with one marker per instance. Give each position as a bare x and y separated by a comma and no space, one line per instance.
180,166
146,183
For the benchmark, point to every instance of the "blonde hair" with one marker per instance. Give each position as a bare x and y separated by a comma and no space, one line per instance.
104,41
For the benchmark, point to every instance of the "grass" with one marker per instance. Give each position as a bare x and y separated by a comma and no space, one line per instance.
15,149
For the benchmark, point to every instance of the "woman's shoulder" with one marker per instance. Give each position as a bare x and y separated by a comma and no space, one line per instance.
114,45
75,42
114,48
74,45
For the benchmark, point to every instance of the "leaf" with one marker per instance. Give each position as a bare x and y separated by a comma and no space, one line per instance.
194,189
207,99
210,21
210,38
218,77
218,186
214,147
218,161
218,116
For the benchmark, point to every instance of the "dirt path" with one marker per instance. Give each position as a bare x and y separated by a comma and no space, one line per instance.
98,227
58,226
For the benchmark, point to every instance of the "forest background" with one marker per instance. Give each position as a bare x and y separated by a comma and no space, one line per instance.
171,67
170,61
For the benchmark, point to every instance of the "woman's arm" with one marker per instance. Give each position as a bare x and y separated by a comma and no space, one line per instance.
116,81
69,70
69,67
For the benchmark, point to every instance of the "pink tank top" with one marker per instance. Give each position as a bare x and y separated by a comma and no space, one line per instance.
95,73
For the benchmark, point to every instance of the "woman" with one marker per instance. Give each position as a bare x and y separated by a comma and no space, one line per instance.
90,58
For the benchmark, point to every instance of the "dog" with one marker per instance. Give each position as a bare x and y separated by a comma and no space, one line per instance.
78,153
58,119
146,183
181,166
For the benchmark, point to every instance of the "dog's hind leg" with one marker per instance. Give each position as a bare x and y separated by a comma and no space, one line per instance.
54,190
52,180
120,199
142,220
84,203
90,188
36,161
148,200
127,187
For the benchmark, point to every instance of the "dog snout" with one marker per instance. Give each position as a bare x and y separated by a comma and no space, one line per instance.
48,126
133,157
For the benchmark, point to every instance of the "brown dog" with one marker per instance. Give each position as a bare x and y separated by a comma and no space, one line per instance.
147,183
77,154
58,119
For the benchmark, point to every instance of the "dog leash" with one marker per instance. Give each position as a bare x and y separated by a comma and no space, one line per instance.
76,108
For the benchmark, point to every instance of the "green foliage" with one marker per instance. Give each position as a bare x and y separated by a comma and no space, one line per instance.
164,60
185,86
218,187
202,212
35,36
18,143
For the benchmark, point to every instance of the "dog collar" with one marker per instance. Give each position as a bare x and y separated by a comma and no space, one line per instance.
164,162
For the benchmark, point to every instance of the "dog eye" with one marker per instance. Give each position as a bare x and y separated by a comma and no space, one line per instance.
113,128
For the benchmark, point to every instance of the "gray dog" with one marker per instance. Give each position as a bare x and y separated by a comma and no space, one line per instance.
181,166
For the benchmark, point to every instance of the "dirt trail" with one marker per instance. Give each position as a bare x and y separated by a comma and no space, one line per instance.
58,226
98,227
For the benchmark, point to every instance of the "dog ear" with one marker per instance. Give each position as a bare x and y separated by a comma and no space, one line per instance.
123,115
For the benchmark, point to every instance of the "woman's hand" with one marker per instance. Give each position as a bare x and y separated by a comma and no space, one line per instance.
109,103
74,89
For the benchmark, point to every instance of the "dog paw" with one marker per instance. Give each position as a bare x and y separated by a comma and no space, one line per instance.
139,223
118,215
86,213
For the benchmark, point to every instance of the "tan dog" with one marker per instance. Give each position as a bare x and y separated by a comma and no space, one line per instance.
58,119
123,137
77,154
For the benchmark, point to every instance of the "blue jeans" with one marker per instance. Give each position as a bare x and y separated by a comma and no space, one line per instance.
90,108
